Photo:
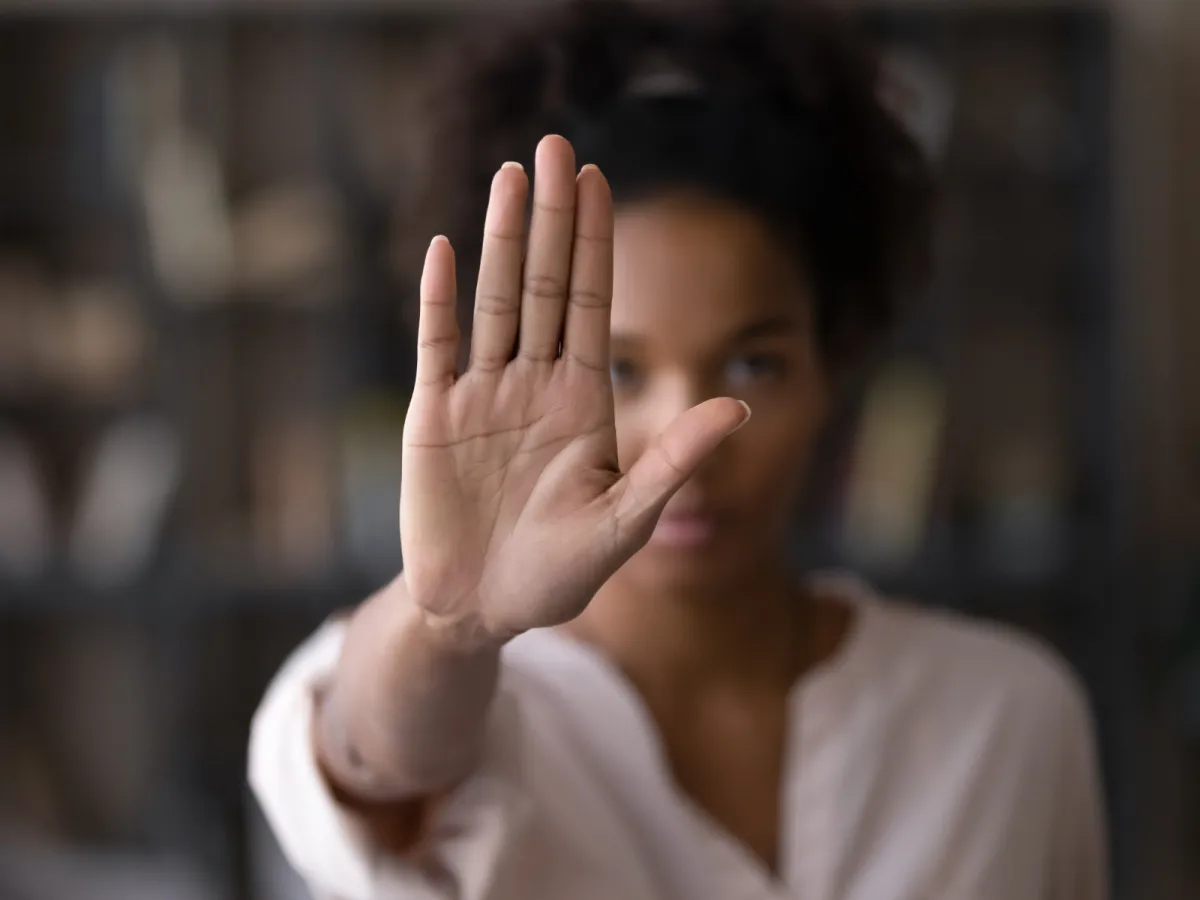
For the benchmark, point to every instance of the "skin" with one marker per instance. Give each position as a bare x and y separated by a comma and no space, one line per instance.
535,486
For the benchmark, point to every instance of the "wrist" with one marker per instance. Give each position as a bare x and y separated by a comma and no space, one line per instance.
457,635
452,635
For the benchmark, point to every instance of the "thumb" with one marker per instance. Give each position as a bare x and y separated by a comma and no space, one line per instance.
672,459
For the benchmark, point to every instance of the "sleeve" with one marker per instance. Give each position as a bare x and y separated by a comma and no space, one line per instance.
1079,857
470,835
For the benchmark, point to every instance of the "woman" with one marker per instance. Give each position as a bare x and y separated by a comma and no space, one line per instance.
597,677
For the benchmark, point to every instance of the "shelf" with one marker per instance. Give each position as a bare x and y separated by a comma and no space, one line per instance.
286,7
182,591
52,404
179,592
426,7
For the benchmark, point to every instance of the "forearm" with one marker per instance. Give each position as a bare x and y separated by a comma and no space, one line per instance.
406,713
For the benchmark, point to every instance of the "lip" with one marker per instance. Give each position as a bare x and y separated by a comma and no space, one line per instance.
686,530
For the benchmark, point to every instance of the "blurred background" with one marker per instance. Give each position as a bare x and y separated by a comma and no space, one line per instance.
203,377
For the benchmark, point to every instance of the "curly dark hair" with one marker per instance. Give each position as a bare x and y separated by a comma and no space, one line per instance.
768,104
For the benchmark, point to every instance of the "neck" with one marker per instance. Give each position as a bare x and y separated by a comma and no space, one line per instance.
754,632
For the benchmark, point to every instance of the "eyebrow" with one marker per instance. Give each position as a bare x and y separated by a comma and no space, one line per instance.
775,325
764,328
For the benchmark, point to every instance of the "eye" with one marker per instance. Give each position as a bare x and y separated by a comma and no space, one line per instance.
754,368
624,373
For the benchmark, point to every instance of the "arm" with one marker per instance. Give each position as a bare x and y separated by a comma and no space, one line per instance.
403,719
513,512
510,476
350,847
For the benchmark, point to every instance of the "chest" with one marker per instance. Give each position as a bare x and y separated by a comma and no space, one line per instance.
729,764
835,796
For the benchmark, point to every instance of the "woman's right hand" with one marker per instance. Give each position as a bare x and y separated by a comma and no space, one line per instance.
513,510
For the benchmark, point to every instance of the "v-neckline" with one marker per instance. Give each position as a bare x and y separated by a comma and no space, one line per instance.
717,840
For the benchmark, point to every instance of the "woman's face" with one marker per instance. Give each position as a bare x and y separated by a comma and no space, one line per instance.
706,304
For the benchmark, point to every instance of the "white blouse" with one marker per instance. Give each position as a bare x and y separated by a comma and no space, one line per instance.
930,759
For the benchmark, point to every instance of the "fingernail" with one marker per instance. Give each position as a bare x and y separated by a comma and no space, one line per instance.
590,167
746,418
513,165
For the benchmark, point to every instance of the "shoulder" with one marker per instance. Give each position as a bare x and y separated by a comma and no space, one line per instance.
994,657
946,665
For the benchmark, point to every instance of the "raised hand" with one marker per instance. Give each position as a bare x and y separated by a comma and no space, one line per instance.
513,508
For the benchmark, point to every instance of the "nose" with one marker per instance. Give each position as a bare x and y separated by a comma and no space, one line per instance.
669,394
676,393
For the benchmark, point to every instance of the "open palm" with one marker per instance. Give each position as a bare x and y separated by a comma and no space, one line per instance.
513,508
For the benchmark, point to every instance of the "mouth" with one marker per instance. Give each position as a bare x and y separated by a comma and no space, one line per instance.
686,530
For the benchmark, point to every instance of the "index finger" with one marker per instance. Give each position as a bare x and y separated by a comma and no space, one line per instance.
589,303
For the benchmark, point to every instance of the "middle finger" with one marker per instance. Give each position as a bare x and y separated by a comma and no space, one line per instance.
548,256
